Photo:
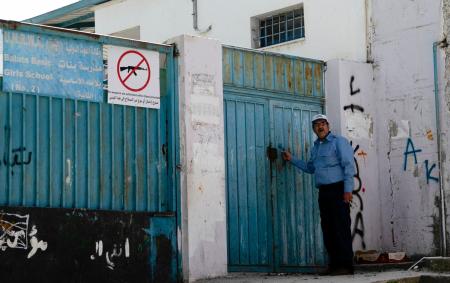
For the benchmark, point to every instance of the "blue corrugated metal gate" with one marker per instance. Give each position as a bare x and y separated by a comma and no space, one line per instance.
75,154
273,220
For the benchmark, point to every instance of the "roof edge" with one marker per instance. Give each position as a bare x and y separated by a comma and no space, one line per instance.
64,10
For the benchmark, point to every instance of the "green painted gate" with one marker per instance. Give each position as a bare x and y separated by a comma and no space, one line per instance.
273,219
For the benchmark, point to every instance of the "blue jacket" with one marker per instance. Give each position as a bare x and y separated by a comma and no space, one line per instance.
331,161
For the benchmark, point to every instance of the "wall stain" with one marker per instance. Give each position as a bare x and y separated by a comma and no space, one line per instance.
393,129
429,135
436,228
416,171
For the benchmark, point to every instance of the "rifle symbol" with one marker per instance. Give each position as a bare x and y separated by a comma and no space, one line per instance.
132,68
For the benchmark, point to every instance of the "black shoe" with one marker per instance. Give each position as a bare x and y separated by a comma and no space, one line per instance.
342,271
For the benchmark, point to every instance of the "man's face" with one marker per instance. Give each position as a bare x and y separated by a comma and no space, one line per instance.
321,128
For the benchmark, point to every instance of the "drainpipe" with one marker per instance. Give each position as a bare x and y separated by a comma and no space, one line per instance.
195,16
442,43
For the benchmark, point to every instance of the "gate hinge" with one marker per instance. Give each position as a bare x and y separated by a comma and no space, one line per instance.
176,51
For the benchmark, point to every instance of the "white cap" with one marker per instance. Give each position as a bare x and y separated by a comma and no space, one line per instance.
319,117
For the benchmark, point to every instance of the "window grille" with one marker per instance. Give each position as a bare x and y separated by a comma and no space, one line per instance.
281,28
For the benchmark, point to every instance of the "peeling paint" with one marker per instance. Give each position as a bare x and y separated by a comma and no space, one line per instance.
393,129
399,130
359,125
69,172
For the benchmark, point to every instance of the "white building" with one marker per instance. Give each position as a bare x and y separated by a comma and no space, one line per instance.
385,90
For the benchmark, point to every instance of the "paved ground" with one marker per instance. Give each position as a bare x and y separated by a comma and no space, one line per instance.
292,278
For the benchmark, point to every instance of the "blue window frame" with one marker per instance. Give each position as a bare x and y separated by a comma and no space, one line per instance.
281,27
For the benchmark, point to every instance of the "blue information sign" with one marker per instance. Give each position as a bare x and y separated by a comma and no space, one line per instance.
52,65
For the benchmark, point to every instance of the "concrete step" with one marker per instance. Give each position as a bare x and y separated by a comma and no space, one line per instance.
374,267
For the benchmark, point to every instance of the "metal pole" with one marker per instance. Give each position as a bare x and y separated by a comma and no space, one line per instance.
195,16
438,131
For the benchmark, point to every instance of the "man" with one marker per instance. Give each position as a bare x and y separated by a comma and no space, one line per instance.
332,164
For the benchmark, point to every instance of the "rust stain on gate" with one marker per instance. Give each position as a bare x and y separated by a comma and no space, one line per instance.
274,72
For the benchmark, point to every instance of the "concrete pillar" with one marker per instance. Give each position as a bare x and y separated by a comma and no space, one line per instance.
351,108
203,231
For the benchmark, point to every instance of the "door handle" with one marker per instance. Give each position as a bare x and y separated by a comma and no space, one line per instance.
272,153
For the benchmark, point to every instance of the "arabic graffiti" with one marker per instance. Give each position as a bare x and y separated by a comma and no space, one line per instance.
358,226
16,159
116,252
410,149
35,243
13,231
20,154
14,234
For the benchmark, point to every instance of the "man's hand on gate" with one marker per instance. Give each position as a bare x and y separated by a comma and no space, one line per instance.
348,197
286,155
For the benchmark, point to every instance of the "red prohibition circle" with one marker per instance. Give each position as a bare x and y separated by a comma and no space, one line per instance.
123,80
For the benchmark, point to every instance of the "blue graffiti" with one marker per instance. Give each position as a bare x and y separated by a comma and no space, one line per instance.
411,150
429,177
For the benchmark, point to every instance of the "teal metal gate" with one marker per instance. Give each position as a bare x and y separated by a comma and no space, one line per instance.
273,220
63,153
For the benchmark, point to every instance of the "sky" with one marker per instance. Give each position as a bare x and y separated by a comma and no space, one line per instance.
19,10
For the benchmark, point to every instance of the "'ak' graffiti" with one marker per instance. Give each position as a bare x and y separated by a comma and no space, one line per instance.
411,150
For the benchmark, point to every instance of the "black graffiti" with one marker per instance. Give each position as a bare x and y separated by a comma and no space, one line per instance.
353,92
358,226
354,107
18,153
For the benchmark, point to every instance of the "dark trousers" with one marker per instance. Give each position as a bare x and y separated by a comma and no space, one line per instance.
335,222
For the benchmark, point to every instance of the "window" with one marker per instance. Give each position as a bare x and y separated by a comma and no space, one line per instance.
281,27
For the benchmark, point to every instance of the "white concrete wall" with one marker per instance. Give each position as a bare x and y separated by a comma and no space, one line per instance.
358,126
404,32
203,235
333,29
